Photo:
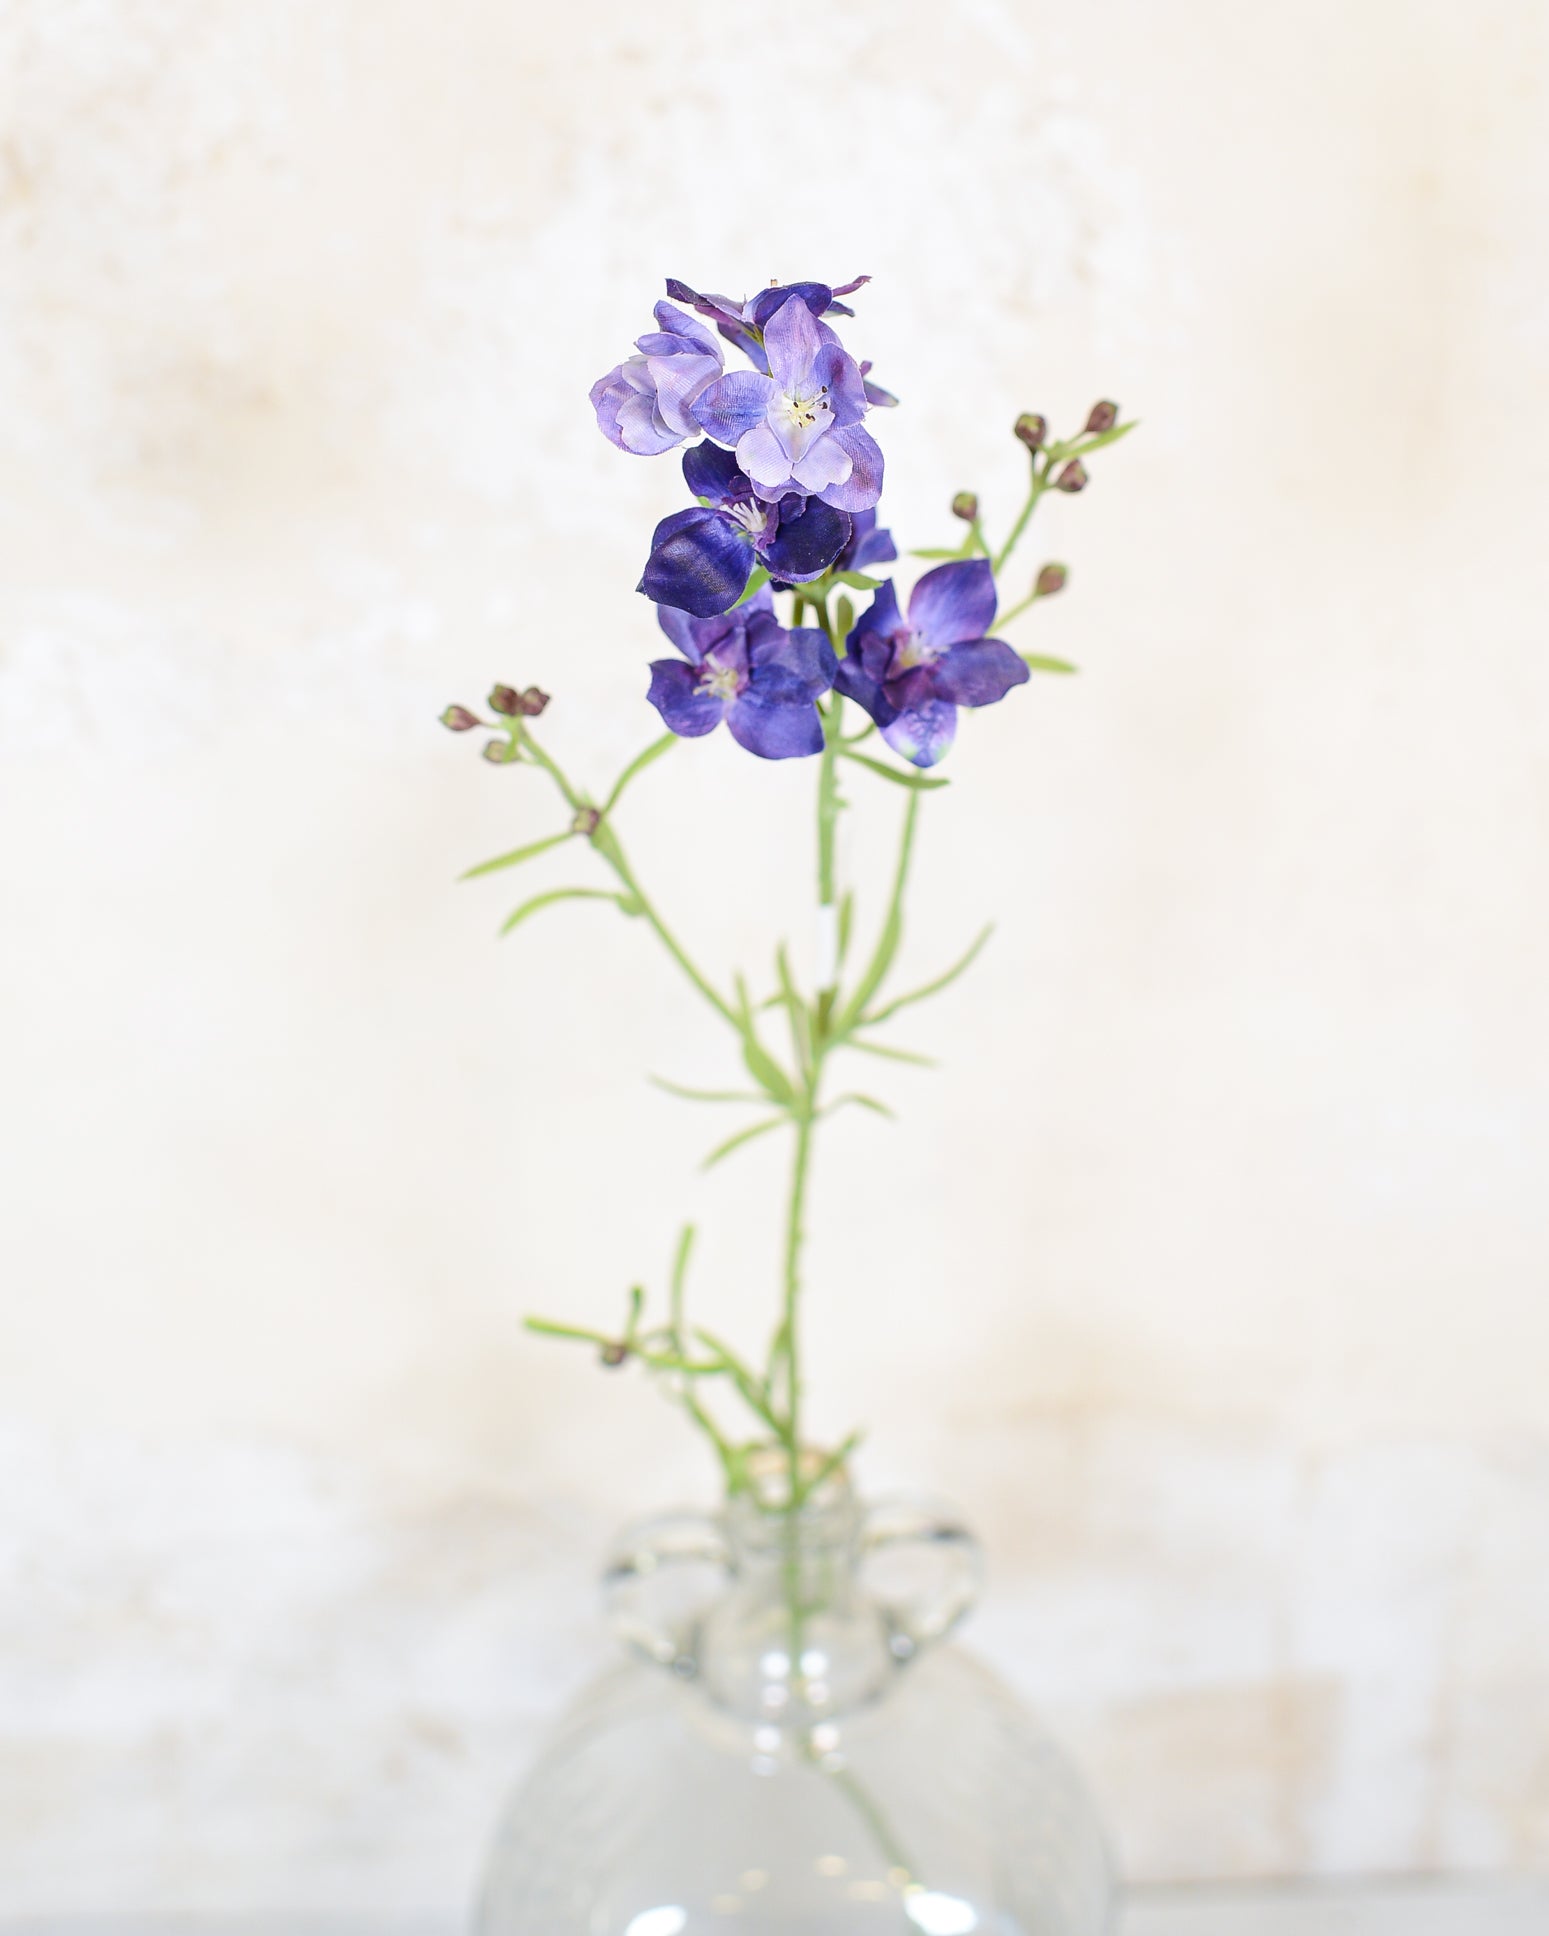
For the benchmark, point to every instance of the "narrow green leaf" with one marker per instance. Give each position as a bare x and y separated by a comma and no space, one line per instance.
741,1377
638,765
723,1150
866,1102
900,775
557,894
757,580
937,551
857,580
832,1463
679,1278
887,1050
932,987
1042,662
1084,444
796,1011
518,855
546,1328
892,927
704,1095
844,620
846,922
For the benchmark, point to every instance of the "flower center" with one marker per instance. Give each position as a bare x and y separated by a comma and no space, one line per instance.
801,420
719,682
749,517
910,650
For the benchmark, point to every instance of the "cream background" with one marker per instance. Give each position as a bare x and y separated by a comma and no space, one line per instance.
1209,1274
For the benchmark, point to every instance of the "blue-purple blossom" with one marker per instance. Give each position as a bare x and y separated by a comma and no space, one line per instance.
799,426
868,546
746,668
911,674
701,558
643,404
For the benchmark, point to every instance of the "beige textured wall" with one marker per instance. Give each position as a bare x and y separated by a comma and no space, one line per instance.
1210,1272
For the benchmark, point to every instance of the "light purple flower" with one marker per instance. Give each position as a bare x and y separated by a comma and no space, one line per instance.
799,427
643,404
745,668
911,674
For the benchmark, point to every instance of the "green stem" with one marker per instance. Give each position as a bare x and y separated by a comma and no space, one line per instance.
1040,483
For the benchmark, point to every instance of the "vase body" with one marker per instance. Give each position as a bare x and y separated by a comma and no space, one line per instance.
798,1752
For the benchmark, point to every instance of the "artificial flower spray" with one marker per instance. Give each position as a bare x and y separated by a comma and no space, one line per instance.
768,586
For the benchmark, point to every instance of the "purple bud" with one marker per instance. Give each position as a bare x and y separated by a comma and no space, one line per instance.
1101,417
1050,580
1072,477
586,821
504,699
613,1355
498,751
965,506
1032,430
531,702
459,719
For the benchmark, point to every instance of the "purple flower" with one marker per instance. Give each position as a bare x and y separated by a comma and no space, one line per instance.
643,404
798,427
745,668
868,546
701,558
912,674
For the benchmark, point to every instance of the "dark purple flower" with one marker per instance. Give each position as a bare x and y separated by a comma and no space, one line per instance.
643,404
745,668
798,427
868,546
912,674
701,558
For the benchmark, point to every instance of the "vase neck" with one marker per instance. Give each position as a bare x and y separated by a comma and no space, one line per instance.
795,1640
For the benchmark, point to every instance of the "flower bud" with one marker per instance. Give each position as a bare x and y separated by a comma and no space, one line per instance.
613,1355
497,751
1032,430
1101,417
1050,580
531,702
459,719
1072,476
505,699
965,506
586,821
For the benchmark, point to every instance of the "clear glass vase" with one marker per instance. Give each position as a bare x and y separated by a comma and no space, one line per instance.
796,1752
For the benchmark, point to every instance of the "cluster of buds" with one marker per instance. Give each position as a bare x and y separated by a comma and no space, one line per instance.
510,704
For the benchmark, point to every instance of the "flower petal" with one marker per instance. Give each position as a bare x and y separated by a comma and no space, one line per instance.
924,732
868,546
853,681
763,457
807,542
880,616
679,627
712,472
674,692
846,387
641,429
791,342
816,295
732,405
978,672
675,322
862,488
825,461
776,723
680,381
700,562
954,602
804,651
